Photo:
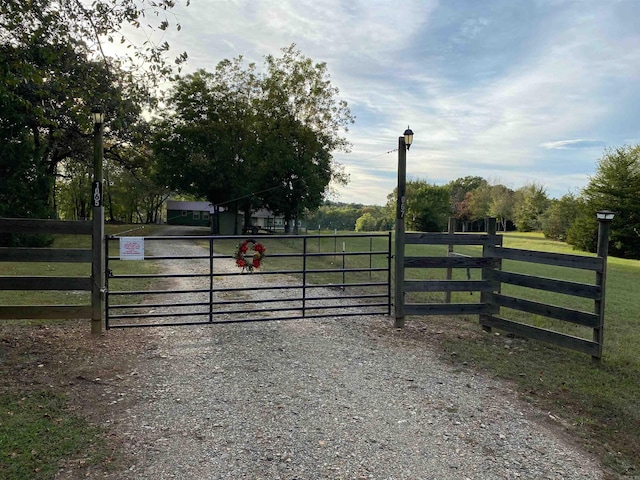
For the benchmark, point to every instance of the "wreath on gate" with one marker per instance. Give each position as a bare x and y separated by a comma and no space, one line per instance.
246,260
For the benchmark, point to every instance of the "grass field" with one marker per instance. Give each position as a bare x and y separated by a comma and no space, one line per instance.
598,404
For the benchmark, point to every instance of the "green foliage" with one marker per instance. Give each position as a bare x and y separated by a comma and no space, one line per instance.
616,186
557,220
531,202
428,206
461,190
94,24
490,200
246,141
334,216
374,219
52,71
502,205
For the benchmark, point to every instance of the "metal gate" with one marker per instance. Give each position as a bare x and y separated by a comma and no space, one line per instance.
193,280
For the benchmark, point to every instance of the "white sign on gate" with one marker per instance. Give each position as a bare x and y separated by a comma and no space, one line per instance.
132,248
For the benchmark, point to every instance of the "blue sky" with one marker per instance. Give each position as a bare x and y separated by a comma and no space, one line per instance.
513,91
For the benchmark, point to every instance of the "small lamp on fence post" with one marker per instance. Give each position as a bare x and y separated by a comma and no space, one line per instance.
98,262
605,217
404,143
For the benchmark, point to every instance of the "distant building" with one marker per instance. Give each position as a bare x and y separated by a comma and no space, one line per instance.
201,213
189,213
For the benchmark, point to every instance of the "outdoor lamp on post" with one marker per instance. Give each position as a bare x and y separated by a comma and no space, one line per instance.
98,262
404,143
408,137
97,115
605,217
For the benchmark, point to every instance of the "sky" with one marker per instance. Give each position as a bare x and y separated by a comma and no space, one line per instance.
513,91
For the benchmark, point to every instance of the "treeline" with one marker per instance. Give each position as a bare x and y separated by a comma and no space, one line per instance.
572,218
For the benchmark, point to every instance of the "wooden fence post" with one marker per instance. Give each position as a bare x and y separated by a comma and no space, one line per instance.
97,265
487,271
399,253
604,225
451,230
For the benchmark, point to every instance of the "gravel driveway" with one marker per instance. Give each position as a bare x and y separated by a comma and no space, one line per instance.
325,399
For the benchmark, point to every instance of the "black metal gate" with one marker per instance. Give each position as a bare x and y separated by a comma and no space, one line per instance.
192,280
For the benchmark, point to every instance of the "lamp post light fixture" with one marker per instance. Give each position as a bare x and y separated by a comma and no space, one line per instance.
404,143
97,114
98,263
408,137
605,215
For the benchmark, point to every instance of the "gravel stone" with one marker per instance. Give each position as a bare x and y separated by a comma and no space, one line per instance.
324,399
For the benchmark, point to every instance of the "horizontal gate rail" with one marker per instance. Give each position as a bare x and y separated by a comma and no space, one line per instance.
346,283
547,258
594,292
448,309
448,285
545,335
550,284
560,313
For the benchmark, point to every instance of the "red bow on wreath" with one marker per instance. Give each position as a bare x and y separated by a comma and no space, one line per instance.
250,261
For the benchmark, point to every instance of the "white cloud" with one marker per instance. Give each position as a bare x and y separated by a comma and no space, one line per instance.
516,90
577,143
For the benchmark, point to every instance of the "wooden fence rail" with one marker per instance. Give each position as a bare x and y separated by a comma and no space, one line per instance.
450,262
45,255
492,280
594,292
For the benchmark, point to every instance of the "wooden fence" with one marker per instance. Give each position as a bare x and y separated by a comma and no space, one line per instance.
492,279
46,255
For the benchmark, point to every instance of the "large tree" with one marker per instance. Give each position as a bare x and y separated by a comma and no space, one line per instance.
615,186
206,143
428,206
501,206
461,189
246,140
95,24
559,217
52,71
530,202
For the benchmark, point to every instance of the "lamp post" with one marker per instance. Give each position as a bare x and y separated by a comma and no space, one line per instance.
404,143
97,267
605,217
